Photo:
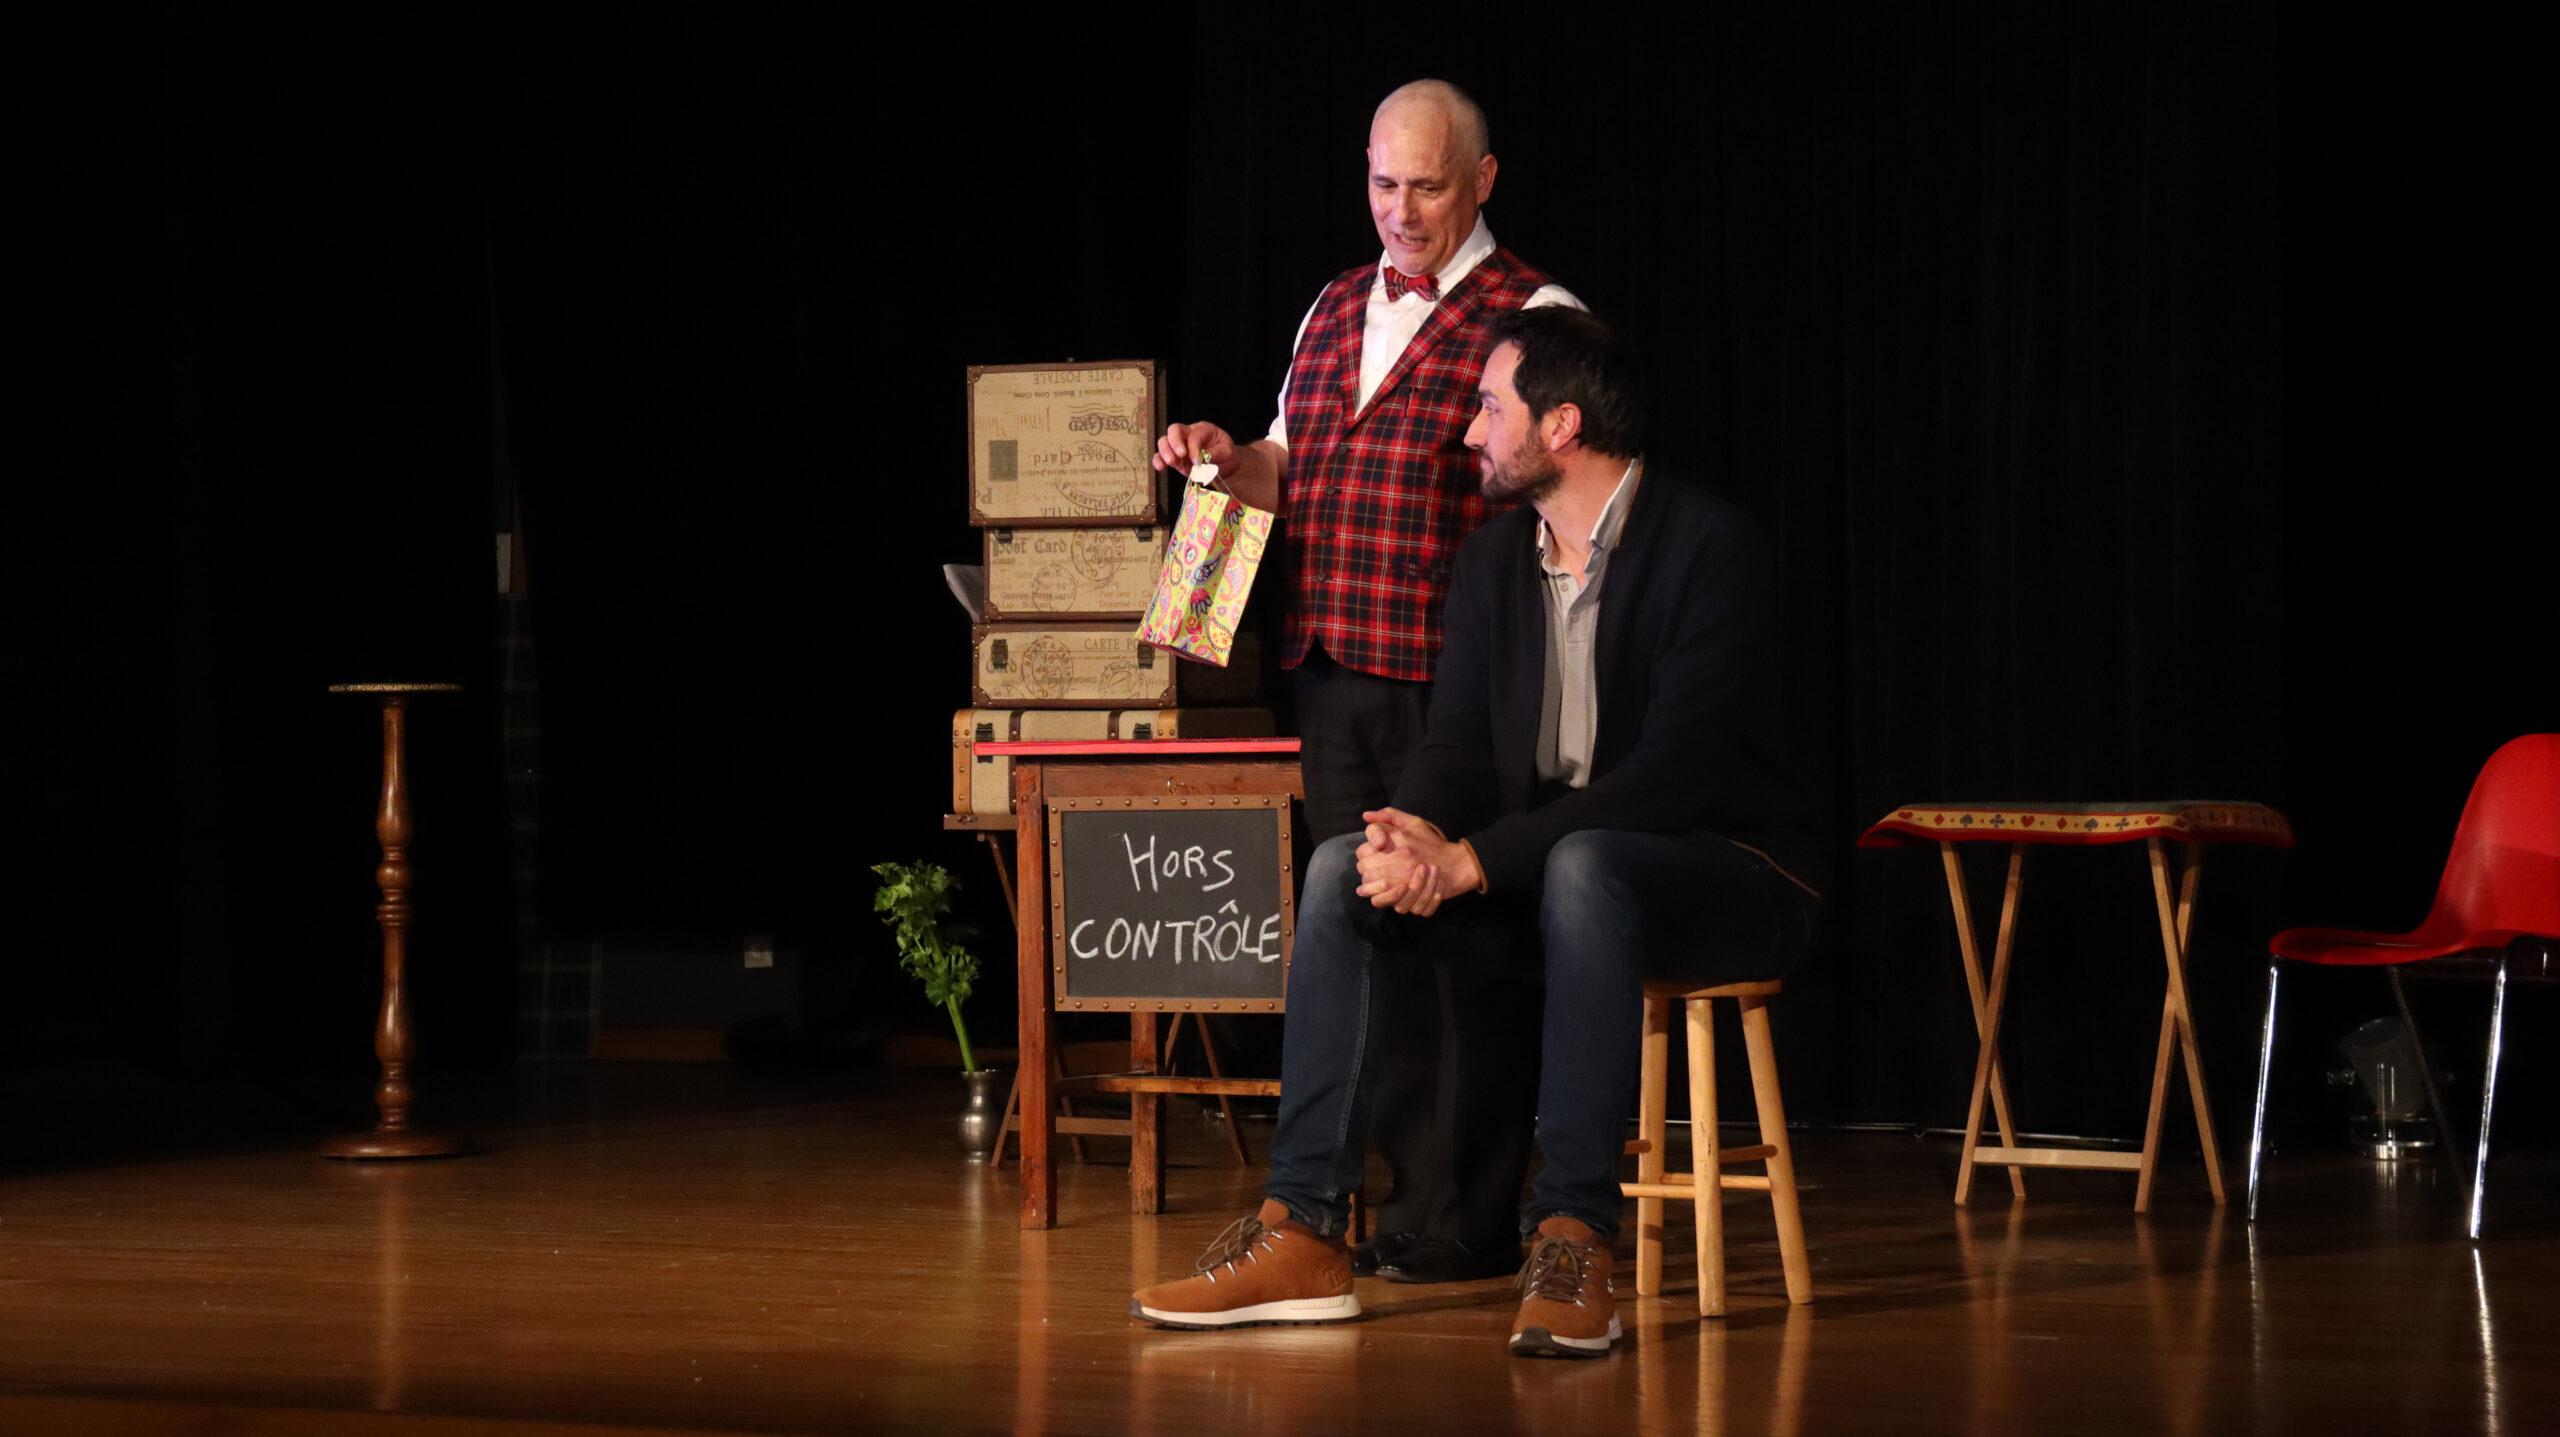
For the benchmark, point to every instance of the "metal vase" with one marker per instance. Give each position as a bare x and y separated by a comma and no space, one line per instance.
982,1117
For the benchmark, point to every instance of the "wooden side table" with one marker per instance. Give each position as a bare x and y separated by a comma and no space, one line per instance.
2188,822
392,1137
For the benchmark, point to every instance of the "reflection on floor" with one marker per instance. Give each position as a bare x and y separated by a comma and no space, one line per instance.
682,1249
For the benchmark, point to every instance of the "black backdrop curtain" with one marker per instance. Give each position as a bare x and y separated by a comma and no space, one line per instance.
1980,316
2116,383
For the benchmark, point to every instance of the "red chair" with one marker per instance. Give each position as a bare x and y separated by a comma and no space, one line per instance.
2499,900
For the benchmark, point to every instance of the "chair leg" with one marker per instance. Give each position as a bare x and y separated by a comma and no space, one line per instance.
1653,1127
2426,1073
2258,1113
1773,1133
2488,1095
1706,1144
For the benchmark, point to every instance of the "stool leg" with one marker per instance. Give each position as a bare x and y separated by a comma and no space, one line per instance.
1653,1127
1706,1156
1773,1132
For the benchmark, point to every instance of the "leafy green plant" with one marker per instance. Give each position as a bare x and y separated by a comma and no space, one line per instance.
914,898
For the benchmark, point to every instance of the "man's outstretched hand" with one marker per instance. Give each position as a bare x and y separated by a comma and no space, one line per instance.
1407,864
1184,445
1251,472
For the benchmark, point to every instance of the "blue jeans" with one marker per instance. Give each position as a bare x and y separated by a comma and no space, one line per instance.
1613,909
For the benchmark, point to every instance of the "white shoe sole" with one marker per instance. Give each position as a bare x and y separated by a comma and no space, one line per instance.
1539,1342
1296,1309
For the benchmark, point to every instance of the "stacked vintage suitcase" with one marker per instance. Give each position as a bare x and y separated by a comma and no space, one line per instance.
1074,519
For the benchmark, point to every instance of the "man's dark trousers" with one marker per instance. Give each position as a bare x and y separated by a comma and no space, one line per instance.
1614,909
1456,1071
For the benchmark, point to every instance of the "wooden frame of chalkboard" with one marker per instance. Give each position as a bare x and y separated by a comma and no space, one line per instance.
1174,869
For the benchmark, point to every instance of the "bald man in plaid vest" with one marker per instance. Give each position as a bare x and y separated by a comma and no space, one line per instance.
1376,490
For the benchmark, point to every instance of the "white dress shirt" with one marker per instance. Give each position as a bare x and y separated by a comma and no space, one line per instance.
1393,324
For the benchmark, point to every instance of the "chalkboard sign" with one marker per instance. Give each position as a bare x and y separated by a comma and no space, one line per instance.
1173,904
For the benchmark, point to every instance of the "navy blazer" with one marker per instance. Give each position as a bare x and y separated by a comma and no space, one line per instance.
1692,732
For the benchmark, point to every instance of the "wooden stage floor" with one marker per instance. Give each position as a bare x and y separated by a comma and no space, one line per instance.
664,1249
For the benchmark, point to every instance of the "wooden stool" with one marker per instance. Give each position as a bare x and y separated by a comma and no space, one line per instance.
1705,1187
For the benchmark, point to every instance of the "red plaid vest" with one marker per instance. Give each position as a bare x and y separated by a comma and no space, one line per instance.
1379,499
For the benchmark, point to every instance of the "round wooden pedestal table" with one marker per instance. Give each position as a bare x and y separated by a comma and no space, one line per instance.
392,1137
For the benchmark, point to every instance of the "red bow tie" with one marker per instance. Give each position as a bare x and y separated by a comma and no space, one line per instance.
1399,283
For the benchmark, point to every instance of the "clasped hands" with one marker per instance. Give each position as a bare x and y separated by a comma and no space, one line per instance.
1409,865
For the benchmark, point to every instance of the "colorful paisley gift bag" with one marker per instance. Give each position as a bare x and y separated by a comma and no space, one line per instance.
1209,564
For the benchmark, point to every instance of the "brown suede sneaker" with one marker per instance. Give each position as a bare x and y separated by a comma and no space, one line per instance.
1567,1308
1267,1268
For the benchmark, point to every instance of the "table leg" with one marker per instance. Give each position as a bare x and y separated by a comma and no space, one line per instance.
1037,1113
1971,950
392,1137
1146,1121
2163,1051
1011,1124
2161,1057
2173,947
1057,1068
1007,1125
1209,1056
1058,1074
1004,873
1989,1057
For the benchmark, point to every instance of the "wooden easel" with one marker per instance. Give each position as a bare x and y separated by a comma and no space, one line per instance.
1252,771
1076,1126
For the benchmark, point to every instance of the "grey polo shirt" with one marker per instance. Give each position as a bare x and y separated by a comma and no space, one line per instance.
1569,718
